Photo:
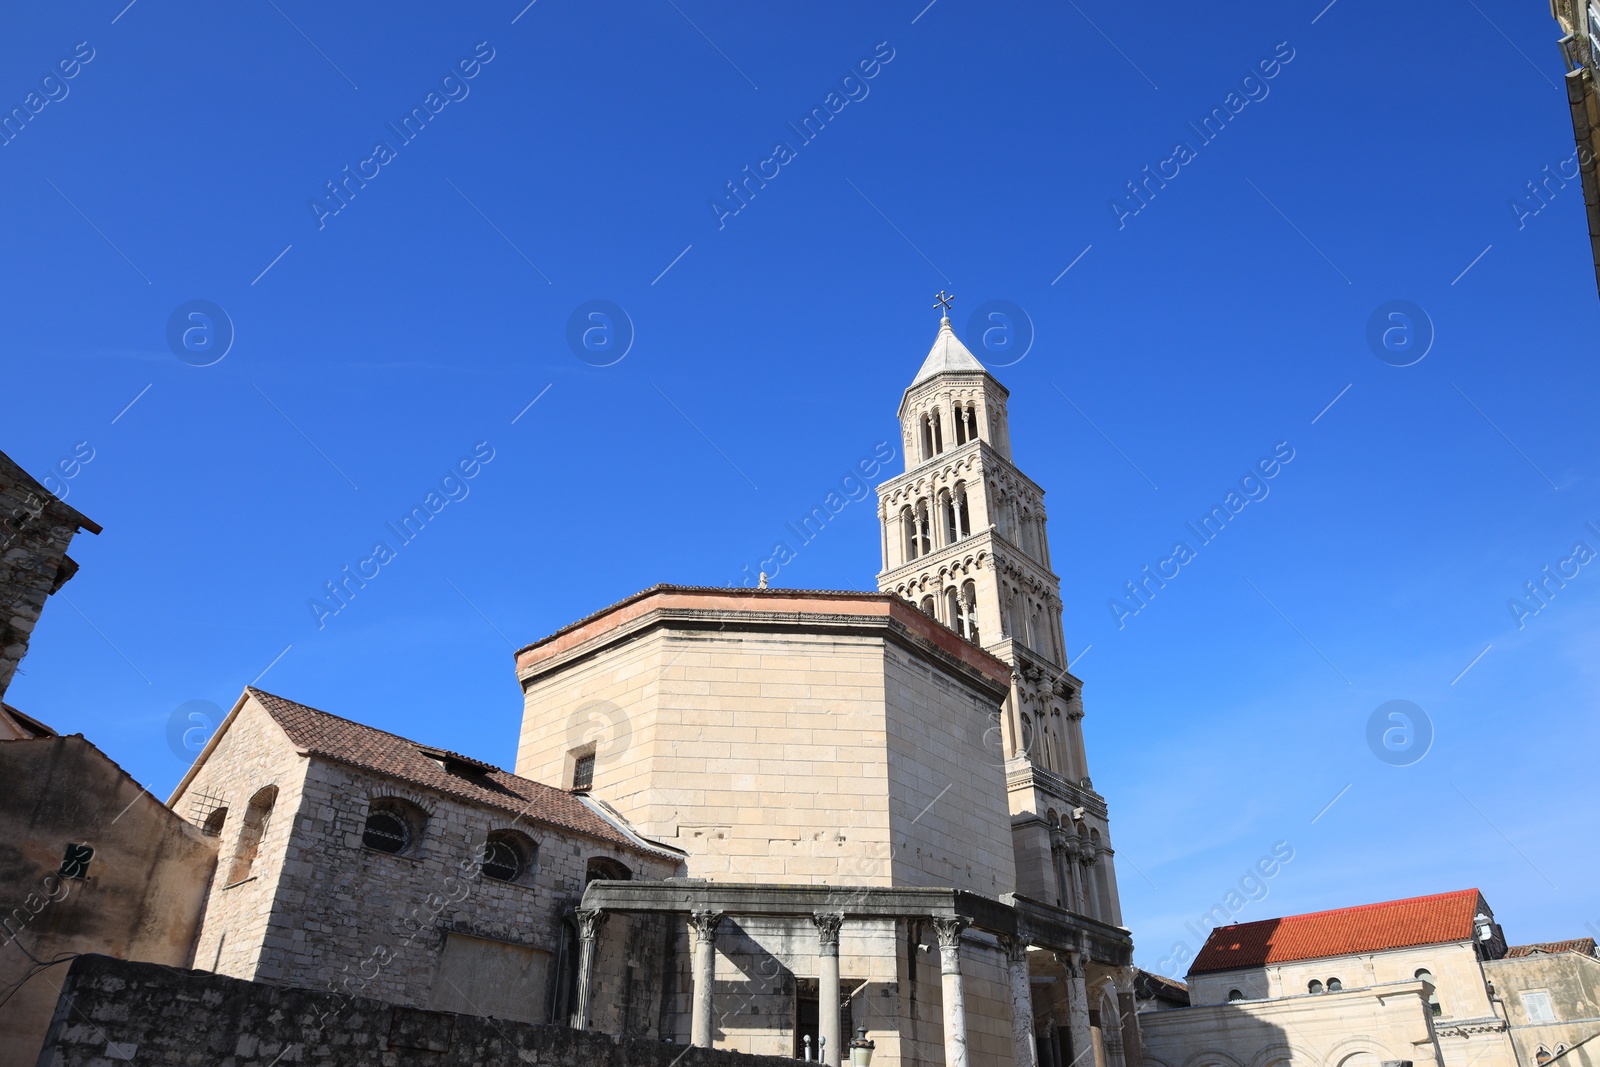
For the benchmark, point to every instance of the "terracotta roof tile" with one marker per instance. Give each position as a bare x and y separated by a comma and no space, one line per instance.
388,754
1426,920
1582,945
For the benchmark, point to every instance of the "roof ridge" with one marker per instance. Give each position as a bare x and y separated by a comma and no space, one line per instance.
387,733
369,748
1305,915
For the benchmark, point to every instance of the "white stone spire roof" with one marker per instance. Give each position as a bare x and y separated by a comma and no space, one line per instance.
947,354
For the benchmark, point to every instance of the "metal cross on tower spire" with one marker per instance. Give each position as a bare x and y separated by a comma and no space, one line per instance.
944,301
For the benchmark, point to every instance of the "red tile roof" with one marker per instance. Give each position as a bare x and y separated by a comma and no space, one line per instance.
1583,945
343,741
1429,920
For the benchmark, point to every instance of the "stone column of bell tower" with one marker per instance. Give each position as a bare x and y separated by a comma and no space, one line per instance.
964,539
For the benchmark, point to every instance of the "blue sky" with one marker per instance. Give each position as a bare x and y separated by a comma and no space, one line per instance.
375,346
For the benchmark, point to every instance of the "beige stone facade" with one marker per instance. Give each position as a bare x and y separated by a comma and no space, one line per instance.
301,899
782,736
1452,997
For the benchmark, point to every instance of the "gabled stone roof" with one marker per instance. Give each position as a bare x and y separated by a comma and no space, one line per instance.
331,737
1430,920
948,355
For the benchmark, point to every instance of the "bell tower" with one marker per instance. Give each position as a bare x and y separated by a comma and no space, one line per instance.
964,539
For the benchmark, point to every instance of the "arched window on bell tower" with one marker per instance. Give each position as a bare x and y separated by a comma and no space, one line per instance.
963,514
908,533
924,528
947,517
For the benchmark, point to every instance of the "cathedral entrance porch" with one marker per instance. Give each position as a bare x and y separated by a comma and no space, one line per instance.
759,949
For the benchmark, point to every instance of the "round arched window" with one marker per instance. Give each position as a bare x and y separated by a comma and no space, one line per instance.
386,832
1313,986
1334,985
1234,996
502,859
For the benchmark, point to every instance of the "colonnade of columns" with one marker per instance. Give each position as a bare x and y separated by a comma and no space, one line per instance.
703,926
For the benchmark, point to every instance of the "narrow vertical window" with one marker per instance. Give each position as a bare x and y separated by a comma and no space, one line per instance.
257,818
583,773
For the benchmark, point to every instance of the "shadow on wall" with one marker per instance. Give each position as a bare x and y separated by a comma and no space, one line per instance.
1228,1035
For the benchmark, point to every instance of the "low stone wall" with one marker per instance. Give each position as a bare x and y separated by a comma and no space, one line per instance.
116,1011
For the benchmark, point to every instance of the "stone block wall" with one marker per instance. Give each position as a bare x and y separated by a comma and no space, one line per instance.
113,1011
252,753
35,530
423,927
947,788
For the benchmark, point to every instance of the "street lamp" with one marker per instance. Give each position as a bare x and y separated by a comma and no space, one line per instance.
861,1049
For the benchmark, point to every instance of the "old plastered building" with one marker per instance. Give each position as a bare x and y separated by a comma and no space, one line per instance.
1428,980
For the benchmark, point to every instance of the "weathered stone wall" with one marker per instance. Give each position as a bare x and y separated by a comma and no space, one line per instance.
138,895
1572,982
35,530
251,754
112,1011
422,927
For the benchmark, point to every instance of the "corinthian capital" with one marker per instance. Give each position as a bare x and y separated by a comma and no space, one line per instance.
828,924
589,922
949,931
704,924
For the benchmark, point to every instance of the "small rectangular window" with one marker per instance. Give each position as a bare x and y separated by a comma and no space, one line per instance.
75,864
1537,1005
583,772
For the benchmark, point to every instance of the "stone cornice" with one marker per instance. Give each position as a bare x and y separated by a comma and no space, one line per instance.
880,616
986,454
1015,916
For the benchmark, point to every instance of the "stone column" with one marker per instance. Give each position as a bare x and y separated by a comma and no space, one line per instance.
828,985
1080,768
703,925
955,1007
589,923
1016,951
1078,1009
1058,848
883,528
1090,898
1127,1002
